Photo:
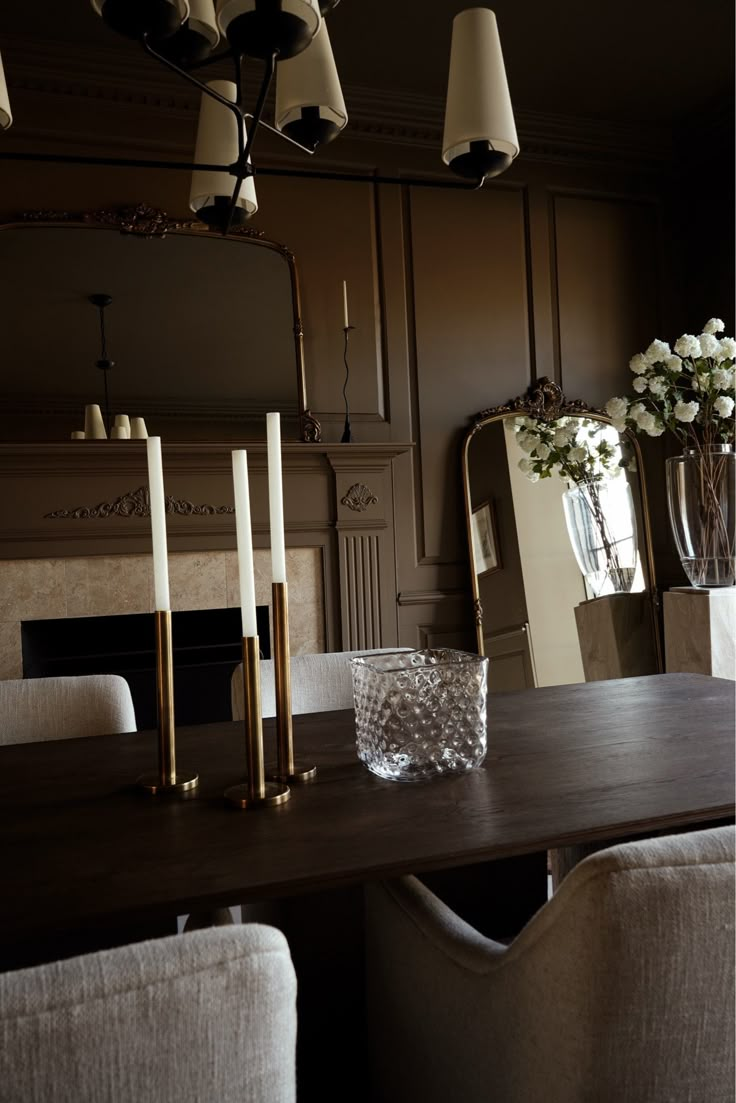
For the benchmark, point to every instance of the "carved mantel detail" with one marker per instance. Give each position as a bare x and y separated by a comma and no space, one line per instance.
359,497
136,503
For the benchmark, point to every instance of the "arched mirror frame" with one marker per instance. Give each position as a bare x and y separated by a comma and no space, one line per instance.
152,222
546,402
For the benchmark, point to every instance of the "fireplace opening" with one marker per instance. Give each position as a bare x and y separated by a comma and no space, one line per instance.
206,646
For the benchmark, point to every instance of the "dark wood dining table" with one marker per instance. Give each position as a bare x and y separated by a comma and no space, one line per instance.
565,765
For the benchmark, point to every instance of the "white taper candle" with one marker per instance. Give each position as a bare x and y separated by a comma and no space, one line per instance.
346,324
158,523
276,498
244,537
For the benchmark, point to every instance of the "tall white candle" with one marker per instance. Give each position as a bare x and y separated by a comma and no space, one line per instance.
345,303
276,498
158,523
244,537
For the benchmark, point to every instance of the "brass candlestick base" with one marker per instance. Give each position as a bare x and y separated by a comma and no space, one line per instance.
256,793
287,769
167,779
274,793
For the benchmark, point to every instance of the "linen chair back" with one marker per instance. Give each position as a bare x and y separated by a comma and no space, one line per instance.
620,988
209,1015
36,709
319,683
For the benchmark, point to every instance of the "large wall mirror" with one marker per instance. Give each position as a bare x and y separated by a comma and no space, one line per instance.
205,331
560,545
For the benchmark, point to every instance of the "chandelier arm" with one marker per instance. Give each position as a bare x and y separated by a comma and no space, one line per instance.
280,134
243,168
192,166
234,107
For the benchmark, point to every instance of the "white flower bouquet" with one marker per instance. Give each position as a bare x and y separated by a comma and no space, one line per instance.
586,454
688,391
577,449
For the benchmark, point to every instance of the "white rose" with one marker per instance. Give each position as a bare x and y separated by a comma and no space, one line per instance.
715,325
526,442
637,410
723,406
647,422
639,384
543,450
673,364
525,465
726,349
687,345
533,477
657,351
616,408
686,411
560,438
619,425
654,430
577,455
638,363
709,344
657,387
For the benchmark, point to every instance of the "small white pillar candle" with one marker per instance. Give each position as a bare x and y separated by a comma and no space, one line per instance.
244,538
346,324
276,498
158,523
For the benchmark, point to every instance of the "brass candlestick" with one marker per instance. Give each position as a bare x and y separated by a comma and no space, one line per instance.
257,792
167,779
287,769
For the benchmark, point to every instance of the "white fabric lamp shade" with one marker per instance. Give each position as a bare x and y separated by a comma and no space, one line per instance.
159,18
203,20
480,134
217,144
310,107
259,29
6,115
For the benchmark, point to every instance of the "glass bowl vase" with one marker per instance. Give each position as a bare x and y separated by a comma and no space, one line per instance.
420,714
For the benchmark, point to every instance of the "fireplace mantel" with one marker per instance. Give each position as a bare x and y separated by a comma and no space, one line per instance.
89,498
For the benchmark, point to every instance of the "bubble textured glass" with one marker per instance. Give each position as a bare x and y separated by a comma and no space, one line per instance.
420,714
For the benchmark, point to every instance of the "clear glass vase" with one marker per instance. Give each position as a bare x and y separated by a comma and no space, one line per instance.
702,508
420,714
602,528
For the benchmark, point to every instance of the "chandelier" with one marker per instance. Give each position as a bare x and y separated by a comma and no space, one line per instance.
291,39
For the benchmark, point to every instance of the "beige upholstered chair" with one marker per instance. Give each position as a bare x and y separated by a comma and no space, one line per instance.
619,990
35,709
319,683
211,1016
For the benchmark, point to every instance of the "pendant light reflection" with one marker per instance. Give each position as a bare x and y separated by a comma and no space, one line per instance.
217,144
6,115
260,28
310,107
480,134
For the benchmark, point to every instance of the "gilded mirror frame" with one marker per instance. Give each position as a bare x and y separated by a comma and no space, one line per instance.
151,222
546,402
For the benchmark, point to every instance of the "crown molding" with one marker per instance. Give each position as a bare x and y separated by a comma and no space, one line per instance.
124,78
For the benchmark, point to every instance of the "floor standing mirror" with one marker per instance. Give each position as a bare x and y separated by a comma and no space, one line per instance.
560,544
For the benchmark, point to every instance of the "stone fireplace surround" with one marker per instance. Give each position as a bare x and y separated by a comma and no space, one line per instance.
75,537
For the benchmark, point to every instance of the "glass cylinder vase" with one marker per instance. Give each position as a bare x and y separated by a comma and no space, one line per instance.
702,508
602,528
